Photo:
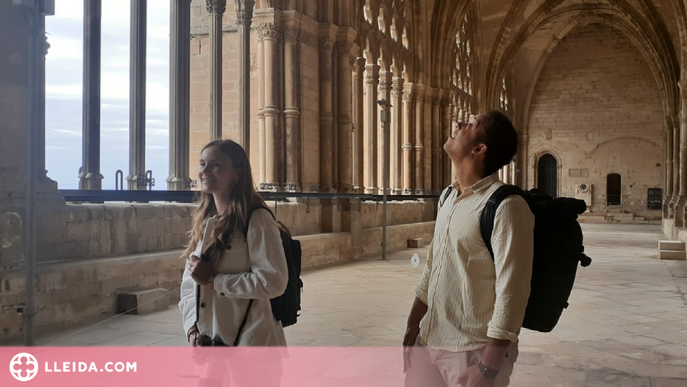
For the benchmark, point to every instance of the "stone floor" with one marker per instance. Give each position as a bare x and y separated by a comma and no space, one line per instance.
626,324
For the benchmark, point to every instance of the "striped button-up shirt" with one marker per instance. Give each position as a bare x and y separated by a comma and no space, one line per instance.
471,297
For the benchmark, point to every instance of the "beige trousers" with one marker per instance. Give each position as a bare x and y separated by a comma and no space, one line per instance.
438,368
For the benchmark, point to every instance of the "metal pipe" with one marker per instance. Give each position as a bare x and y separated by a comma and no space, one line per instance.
385,105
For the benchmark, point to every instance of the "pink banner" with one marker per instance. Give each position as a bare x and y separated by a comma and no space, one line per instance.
207,366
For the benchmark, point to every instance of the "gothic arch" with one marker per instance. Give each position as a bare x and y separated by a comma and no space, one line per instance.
619,14
668,91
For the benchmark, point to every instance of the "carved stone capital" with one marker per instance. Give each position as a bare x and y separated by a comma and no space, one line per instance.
268,31
397,86
43,44
307,39
291,34
408,96
324,43
359,65
244,18
384,84
342,48
371,80
215,7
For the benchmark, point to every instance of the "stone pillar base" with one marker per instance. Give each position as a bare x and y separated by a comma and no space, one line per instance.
680,209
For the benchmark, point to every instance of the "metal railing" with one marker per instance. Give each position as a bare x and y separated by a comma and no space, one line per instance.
100,196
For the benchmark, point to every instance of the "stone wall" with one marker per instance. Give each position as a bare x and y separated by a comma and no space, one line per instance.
597,109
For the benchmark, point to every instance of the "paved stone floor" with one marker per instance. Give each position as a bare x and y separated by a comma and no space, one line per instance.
626,324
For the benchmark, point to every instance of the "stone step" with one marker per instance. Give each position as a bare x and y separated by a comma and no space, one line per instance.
671,245
144,301
592,220
672,255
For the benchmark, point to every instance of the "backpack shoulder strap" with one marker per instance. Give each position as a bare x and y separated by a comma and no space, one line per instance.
243,324
445,195
251,209
486,223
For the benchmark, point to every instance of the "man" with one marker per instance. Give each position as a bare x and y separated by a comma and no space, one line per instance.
472,306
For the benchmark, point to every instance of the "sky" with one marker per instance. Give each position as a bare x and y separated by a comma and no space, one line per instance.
64,87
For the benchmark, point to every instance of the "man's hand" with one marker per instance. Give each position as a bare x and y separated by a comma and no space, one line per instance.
417,312
412,332
473,378
200,270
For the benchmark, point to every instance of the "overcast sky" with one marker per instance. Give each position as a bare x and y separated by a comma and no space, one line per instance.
64,75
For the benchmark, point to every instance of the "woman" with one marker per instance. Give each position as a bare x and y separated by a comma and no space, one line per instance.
242,265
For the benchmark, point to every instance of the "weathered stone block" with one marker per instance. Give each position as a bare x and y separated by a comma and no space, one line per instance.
415,243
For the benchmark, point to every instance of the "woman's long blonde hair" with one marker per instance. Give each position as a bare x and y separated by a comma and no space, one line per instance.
242,198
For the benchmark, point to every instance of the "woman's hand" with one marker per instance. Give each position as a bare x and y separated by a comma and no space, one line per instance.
200,270
193,336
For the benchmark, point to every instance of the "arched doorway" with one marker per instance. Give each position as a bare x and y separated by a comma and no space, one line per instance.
547,176
613,191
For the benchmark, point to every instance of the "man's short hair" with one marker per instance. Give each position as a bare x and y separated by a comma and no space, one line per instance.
501,140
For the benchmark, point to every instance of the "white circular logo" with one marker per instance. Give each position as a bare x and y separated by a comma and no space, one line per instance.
24,367
415,261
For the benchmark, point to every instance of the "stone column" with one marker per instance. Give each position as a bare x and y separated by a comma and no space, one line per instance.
216,10
436,146
419,141
445,133
676,164
179,95
521,165
244,18
682,196
137,95
668,193
326,115
292,111
271,110
408,140
90,177
384,89
427,138
371,125
345,173
457,114
262,144
396,163
358,124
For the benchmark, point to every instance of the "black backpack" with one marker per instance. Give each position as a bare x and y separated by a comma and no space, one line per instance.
286,308
558,249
